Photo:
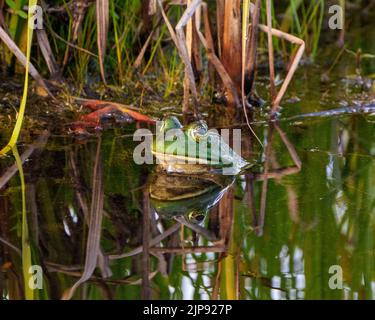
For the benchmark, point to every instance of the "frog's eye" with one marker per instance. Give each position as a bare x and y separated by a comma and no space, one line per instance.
196,216
199,130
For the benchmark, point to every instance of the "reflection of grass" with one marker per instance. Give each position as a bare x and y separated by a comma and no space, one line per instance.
305,18
312,241
26,249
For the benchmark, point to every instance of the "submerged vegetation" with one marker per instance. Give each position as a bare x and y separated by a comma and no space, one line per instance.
90,217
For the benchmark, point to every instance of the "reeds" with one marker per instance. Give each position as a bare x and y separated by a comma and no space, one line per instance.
26,61
115,39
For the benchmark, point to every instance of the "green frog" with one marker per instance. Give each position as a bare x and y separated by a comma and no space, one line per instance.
196,167
195,149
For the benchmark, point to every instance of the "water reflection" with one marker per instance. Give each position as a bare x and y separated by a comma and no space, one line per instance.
187,195
188,198
272,233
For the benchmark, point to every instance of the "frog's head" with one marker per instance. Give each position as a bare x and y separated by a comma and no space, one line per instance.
178,148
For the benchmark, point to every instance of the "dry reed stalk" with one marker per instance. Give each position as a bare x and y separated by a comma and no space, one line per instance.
244,72
95,225
22,58
47,53
251,50
293,66
270,50
102,20
231,47
208,44
179,39
189,47
219,25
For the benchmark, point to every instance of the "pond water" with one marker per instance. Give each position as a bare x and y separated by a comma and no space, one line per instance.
305,232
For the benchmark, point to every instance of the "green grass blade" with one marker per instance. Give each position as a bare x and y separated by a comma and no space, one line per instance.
17,128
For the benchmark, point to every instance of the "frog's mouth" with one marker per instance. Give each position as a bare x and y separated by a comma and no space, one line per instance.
171,159
195,165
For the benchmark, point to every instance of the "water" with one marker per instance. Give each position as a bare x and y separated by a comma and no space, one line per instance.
314,240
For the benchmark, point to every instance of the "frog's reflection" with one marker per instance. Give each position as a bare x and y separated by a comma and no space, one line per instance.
190,196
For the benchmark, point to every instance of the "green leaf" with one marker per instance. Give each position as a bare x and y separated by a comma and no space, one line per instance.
11,4
22,14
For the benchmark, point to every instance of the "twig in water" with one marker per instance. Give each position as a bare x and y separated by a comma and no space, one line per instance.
153,242
7,243
12,170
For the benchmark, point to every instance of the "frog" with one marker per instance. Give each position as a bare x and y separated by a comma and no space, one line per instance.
194,149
